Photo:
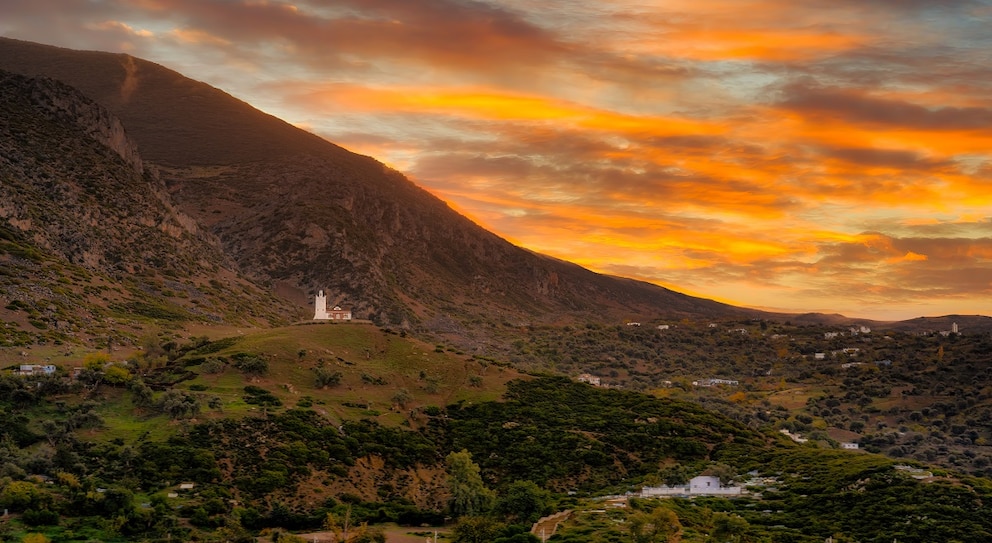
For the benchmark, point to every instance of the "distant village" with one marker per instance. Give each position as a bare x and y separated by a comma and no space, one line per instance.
846,352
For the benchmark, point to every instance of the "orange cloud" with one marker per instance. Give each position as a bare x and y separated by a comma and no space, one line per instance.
700,43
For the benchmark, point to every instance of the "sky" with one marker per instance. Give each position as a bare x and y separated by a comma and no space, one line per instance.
789,155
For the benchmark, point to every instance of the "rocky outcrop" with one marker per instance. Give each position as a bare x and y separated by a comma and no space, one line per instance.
66,104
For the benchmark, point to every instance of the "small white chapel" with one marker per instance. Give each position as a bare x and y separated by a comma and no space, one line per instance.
321,313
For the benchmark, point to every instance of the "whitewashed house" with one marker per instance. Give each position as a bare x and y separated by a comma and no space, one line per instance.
593,380
701,485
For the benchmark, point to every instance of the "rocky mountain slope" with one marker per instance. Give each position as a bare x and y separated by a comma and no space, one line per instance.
88,235
296,213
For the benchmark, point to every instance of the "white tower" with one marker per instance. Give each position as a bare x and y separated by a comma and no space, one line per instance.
954,327
320,306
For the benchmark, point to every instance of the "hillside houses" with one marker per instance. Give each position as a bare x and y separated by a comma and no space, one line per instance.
712,382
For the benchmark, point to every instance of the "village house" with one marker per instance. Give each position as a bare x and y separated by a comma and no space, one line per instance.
715,382
701,485
36,369
591,379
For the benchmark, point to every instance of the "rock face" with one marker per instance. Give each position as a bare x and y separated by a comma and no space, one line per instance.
65,104
75,196
294,211
74,181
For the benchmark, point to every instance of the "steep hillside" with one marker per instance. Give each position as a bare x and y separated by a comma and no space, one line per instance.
301,214
88,235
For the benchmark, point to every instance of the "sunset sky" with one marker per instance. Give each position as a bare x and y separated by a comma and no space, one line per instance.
796,155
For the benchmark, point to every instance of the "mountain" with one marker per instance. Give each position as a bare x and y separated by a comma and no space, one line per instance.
295,213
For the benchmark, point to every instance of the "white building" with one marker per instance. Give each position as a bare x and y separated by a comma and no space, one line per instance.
715,382
36,369
320,312
591,379
701,485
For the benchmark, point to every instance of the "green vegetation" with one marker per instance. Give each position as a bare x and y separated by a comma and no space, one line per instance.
370,444
908,395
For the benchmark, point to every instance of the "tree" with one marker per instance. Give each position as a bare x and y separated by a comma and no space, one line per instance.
92,373
251,365
339,529
475,529
96,361
179,404
729,528
675,475
324,377
116,375
365,534
142,393
661,525
725,473
19,495
402,397
523,502
469,495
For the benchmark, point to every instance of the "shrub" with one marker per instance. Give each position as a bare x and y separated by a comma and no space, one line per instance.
40,517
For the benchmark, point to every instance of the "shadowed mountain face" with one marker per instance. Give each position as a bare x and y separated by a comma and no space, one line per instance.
298,213
87,236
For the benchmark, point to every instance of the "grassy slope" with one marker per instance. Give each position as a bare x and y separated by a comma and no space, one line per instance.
355,350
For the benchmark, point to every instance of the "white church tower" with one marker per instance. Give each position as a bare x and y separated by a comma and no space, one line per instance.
320,306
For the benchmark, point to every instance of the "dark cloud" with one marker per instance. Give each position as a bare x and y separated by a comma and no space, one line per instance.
856,107
887,158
